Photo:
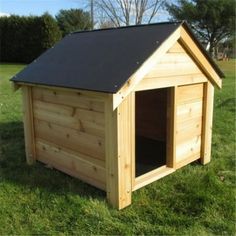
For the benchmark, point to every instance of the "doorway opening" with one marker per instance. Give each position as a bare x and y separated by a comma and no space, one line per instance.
150,130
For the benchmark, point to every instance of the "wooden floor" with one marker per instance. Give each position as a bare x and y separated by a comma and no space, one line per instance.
150,155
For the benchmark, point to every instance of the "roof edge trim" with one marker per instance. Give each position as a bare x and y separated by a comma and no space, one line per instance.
128,26
201,57
203,50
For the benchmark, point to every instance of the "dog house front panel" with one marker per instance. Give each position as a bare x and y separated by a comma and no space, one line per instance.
189,115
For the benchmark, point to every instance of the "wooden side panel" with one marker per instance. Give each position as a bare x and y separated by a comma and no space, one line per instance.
70,133
71,138
72,163
175,68
69,98
120,152
207,123
28,124
189,107
86,121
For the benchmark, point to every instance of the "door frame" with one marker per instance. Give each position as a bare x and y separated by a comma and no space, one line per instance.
151,176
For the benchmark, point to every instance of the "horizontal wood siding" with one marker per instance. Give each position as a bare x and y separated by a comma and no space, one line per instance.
72,163
175,68
188,123
70,133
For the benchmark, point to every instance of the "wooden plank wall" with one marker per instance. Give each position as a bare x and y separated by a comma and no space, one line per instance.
70,133
175,68
189,110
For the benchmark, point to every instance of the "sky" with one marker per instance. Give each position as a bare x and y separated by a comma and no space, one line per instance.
38,7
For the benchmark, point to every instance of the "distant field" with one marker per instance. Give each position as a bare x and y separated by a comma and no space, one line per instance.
196,200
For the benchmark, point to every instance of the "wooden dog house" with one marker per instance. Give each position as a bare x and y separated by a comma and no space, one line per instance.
120,108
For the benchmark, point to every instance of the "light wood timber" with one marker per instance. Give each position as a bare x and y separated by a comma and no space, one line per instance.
72,163
71,138
207,123
170,81
188,132
28,124
70,122
152,176
187,160
200,59
174,68
119,152
99,96
69,98
171,127
190,93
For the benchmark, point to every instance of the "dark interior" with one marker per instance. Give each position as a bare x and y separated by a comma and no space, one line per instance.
150,130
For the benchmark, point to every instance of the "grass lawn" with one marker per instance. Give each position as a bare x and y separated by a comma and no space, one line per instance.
196,200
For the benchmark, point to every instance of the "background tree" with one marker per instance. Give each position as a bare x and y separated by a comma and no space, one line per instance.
106,24
129,12
212,20
73,20
24,38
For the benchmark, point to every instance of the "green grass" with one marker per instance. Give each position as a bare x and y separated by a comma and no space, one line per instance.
196,200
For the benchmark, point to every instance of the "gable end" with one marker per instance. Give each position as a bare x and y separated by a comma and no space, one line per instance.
186,40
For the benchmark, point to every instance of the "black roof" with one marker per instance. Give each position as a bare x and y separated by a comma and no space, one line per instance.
97,60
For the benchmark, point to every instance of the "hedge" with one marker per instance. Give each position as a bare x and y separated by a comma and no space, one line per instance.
22,39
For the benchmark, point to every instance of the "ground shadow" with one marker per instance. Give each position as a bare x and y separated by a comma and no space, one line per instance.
13,167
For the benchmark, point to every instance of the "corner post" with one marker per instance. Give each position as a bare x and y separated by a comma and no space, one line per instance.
119,152
171,127
208,102
28,124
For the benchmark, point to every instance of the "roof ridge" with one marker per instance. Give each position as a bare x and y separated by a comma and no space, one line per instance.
129,26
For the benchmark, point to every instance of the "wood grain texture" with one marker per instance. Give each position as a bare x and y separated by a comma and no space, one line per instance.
73,163
152,176
171,127
190,93
207,123
176,67
119,152
70,131
28,119
92,95
71,138
188,43
87,121
70,98
111,151
188,133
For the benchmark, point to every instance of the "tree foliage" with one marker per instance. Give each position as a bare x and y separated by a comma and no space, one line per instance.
212,20
22,38
73,20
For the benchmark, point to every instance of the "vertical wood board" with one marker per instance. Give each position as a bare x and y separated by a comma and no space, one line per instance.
207,123
28,124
